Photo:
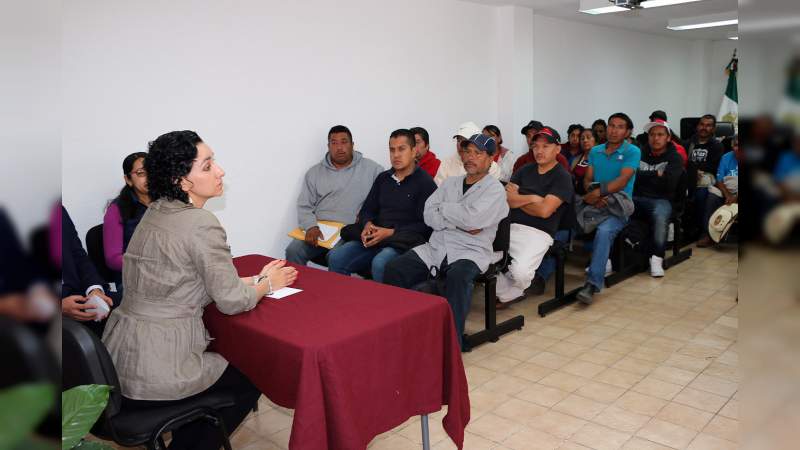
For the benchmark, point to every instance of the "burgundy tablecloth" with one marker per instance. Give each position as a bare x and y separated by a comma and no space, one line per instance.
353,358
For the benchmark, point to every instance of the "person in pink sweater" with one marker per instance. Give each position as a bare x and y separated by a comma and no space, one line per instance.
124,212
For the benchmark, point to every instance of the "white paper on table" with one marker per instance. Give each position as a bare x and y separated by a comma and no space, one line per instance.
284,292
328,232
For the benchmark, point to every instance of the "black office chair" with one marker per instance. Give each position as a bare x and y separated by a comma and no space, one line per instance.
87,362
724,130
39,244
94,248
493,330
676,219
26,359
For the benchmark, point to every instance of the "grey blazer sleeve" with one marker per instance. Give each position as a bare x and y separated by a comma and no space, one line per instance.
212,258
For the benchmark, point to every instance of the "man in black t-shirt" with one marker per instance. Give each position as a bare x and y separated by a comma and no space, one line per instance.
538,195
704,152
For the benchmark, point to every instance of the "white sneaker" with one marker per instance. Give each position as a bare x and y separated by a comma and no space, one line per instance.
656,266
609,268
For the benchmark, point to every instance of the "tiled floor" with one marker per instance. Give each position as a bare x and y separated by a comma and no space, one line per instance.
652,364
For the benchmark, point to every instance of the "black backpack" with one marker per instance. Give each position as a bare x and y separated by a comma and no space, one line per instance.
635,242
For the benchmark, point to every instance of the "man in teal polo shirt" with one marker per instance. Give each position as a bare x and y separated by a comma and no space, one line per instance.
613,165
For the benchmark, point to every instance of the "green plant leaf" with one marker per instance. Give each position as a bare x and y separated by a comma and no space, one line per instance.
80,408
22,407
92,445
36,444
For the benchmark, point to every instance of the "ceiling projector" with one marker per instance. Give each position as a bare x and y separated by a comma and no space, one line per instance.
627,4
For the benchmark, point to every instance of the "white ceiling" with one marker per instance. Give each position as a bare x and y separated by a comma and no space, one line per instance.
652,20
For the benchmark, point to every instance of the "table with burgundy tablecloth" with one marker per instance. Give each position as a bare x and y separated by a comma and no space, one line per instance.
352,357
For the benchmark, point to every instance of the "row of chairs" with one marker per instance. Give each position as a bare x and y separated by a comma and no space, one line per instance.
624,266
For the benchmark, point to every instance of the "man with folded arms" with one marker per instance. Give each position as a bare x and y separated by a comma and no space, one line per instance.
538,195
464,213
530,130
334,190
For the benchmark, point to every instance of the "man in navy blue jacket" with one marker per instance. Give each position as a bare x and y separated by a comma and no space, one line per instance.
391,218
79,278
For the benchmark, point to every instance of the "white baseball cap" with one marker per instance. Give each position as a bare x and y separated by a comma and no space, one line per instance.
467,130
656,123
721,221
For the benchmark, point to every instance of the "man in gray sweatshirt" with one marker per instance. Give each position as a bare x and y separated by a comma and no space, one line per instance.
334,190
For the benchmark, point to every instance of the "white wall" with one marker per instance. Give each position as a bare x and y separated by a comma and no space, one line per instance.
513,58
584,72
262,82
30,177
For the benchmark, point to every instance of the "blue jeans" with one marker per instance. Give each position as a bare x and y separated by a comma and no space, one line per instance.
601,248
548,265
300,253
354,257
700,196
655,211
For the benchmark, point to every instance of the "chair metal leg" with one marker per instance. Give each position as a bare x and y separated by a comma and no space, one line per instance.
492,330
426,437
561,299
203,413
677,256
157,443
220,424
490,293
561,257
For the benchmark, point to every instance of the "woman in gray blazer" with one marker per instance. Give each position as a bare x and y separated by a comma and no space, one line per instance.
177,262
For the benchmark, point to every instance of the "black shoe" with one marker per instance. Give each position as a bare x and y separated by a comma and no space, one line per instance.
536,287
585,294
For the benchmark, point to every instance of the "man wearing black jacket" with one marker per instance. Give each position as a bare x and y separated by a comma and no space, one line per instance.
79,278
657,179
391,219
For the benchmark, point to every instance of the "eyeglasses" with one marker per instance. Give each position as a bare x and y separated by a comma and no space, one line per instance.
139,173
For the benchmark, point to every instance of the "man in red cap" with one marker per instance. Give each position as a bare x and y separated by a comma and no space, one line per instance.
529,130
538,195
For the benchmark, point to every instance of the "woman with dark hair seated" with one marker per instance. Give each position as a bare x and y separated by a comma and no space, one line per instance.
124,212
177,262
588,139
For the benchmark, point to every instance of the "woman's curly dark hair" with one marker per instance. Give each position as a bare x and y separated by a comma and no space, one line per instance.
169,159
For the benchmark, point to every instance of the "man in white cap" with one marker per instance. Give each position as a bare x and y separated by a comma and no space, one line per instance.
657,180
454,165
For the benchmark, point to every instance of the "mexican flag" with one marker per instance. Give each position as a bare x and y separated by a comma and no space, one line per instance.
729,109
789,108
